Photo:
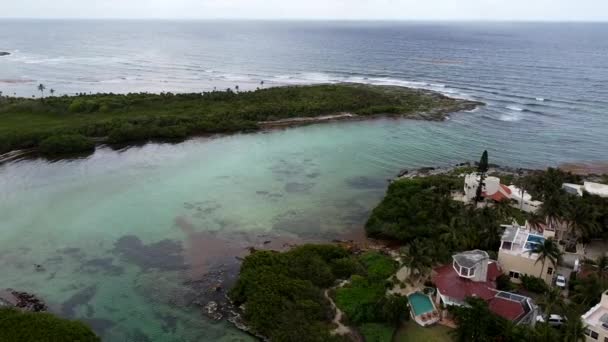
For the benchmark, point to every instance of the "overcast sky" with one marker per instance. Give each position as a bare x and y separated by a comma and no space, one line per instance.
555,10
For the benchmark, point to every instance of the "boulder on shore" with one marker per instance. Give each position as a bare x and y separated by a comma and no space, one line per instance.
3,53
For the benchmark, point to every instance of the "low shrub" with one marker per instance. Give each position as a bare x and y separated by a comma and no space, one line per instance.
534,284
66,143
18,326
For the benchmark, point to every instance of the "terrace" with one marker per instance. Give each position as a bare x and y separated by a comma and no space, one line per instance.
521,242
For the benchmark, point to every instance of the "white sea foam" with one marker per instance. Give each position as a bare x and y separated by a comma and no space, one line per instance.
510,117
540,99
515,108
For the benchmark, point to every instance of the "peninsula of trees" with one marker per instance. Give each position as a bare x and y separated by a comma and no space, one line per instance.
69,124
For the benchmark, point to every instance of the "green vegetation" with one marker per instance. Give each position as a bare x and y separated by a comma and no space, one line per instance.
283,295
25,123
18,326
364,300
412,332
376,332
476,323
534,284
66,143
284,299
420,213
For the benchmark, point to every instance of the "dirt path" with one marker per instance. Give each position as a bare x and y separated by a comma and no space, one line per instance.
341,329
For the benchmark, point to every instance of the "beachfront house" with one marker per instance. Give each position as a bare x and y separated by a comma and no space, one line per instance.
493,190
516,254
596,321
473,274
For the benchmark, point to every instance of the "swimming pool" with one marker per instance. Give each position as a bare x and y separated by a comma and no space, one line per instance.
533,240
420,303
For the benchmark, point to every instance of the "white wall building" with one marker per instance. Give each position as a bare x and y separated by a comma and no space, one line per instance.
596,321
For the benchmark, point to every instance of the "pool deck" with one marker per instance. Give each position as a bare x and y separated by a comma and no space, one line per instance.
425,319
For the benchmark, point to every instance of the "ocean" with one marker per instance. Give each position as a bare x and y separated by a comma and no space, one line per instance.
130,239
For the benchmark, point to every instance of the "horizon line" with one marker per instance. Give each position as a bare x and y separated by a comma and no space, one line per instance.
461,20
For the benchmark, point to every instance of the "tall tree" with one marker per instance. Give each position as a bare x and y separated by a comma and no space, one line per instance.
573,329
548,250
588,291
482,169
41,88
52,91
582,219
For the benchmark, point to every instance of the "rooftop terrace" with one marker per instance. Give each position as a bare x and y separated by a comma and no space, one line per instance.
520,241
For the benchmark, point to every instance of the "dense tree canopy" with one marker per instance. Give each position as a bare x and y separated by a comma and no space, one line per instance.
18,326
25,122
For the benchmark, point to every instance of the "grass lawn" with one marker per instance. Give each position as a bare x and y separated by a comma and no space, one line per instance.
375,332
412,332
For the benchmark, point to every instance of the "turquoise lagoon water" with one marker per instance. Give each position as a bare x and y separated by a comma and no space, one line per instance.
124,236
421,303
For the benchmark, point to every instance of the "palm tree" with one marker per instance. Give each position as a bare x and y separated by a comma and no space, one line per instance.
553,208
548,250
581,219
417,257
52,91
552,300
262,84
573,329
236,87
588,291
41,88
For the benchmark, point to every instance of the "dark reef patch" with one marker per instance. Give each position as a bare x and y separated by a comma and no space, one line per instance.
163,255
101,265
366,183
169,323
294,187
81,297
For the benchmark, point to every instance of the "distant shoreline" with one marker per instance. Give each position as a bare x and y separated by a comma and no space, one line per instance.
77,123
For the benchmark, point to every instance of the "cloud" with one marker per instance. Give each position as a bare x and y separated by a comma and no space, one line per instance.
596,10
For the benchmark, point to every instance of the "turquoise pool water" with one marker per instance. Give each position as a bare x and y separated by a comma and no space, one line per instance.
533,241
421,303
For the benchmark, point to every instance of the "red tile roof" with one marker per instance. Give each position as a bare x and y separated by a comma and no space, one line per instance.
506,308
454,286
450,284
503,193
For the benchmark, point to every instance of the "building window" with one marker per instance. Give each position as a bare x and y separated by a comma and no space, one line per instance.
605,339
594,335
587,331
514,275
550,270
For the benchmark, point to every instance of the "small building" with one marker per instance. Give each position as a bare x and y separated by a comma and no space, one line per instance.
573,189
596,321
473,274
524,200
592,188
517,257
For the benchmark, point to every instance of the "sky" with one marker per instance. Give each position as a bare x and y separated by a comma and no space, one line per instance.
525,10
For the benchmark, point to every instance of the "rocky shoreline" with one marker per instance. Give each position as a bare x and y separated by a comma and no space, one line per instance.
21,300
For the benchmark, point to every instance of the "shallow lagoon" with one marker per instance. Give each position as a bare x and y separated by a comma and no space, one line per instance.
129,239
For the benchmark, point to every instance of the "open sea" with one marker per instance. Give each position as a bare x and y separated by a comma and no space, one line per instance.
132,241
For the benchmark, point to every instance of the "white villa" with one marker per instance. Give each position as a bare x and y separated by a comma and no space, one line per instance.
494,190
596,321
589,187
